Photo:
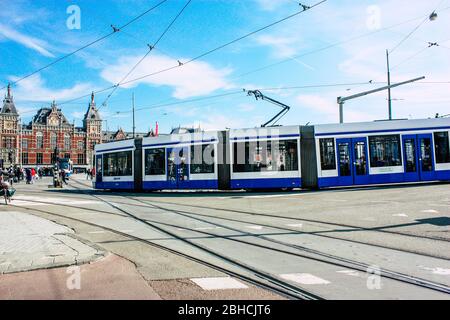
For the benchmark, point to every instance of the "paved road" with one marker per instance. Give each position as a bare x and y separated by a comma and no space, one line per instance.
330,243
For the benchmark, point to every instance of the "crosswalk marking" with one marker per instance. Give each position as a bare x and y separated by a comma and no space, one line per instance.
304,278
209,284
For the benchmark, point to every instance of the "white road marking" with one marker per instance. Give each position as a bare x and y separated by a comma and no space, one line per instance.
352,273
207,228
97,232
255,227
304,278
261,196
126,231
40,201
430,211
210,284
402,215
438,271
298,225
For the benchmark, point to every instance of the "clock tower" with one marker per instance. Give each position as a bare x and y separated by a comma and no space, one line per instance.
92,124
9,131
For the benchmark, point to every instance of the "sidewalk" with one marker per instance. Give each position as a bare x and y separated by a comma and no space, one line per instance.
28,243
35,255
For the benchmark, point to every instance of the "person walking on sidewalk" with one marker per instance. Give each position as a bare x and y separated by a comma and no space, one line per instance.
64,177
4,189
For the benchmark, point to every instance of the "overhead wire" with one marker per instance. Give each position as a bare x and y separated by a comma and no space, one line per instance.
181,64
414,30
115,30
147,54
327,47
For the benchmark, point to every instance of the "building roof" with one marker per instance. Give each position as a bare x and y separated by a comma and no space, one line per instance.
8,103
45,114
92,113
122,135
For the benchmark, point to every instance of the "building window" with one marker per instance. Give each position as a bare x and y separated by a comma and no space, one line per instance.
25,158
327,154
9,142
40,158
53,141
81,159
67,144
39,140
24,144
385,151
266,156
53,158
202,159
67,156
155,162
81,145
118,164
442,145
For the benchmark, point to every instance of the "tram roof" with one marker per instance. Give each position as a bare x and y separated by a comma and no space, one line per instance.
383,126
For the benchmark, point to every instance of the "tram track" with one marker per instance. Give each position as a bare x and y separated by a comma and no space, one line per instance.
314,254
259,278
311,254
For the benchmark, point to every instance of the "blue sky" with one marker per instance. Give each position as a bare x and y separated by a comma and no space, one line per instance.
34,33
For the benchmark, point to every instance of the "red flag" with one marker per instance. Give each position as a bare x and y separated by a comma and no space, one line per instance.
157,129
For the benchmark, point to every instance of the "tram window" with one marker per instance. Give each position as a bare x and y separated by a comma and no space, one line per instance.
327,154
266,156
202,159
442,145
118,164
155,162
385,151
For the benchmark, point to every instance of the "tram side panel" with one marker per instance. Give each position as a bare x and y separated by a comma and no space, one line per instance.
115,165
181,161
265,158
383,152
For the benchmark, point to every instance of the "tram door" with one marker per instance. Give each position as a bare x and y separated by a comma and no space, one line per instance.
352,161
178,167
418,157
99,169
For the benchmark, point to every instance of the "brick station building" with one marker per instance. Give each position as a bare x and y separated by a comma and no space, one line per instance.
35,144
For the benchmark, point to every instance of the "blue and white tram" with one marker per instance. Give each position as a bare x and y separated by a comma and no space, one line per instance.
265,158
182,161
115,165
382,152
313,157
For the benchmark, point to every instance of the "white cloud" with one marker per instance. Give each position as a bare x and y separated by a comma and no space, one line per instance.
190,80
29,42
35,89
284,47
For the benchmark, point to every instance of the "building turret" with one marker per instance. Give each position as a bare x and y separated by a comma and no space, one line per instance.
92,124
8,103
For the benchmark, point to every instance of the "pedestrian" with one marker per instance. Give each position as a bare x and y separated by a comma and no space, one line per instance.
18,174
4,189
88,174
93,173
64,176
11,176
33,175
29,176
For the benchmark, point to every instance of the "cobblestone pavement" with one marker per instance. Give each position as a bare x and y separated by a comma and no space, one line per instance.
28,243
